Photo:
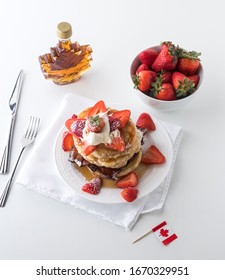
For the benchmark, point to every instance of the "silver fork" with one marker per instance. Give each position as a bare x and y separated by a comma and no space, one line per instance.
26,140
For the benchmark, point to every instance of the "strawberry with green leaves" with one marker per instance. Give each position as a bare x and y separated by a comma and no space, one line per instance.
95,124
143,81
195,78
167,58
182,84
188,62
163,91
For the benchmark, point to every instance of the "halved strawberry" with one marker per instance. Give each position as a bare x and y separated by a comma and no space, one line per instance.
67,143
129,180
117,144
145,121
99,107
129,194
93,186
77,127
69,122
153,156
123,116
87,149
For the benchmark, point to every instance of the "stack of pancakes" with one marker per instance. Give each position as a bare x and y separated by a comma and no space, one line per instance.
109,163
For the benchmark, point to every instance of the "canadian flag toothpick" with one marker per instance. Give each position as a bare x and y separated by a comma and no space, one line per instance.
163,232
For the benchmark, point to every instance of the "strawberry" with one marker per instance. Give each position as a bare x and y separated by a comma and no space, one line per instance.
129,194
93,186
143,80
67,143
129,180
70,121
182,84
145,122
114,123
194,78
117,143
123,116
188,62
77,127
148,56
163,91
167,76
87,149
142,67
96,124
167,58
99,107
153,156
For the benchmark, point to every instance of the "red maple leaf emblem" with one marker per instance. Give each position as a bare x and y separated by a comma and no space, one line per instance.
164,232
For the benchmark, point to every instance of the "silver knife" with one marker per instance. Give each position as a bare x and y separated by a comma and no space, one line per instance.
13,105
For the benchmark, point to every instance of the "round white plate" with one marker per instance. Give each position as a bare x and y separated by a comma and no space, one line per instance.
151,178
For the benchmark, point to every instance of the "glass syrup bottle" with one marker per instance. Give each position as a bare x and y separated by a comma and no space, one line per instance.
66,61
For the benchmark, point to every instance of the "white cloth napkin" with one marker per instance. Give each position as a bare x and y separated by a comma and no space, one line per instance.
39,173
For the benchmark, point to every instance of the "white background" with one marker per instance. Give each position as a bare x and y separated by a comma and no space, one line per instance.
35,227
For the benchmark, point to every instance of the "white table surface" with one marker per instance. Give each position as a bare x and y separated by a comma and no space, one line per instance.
36,227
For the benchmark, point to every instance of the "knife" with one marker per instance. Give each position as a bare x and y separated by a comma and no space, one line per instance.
13,105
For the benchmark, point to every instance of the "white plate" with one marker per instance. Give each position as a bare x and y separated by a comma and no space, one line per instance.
151,178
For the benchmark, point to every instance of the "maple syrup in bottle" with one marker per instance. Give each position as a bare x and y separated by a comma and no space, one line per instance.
66,61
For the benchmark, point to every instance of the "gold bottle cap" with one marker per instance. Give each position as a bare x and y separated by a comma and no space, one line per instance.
64,30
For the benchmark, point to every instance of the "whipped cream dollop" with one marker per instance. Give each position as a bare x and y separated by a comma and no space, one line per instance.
103,137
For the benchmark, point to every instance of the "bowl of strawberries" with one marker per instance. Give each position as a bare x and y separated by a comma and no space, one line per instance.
166,77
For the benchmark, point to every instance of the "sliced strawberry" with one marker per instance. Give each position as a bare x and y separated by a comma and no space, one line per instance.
117,144
87,149
99,107
67,143
93,186
130,180
123,116
69,122
129,194
142,67
153,156
77,127
145,121
114,123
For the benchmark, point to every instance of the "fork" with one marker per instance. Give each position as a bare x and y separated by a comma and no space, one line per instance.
26,140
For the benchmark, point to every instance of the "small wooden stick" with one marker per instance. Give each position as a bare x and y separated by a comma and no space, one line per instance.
150,231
